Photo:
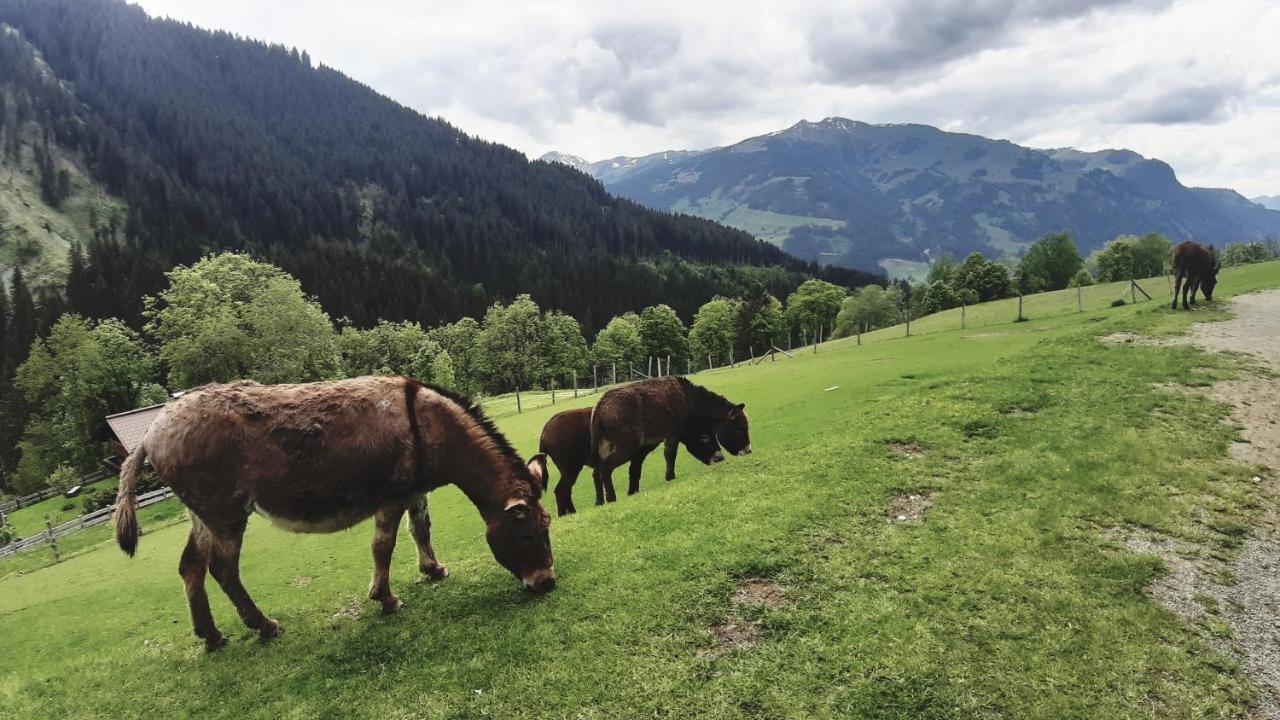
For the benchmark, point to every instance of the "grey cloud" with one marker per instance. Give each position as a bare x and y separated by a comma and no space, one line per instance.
1191,104
913,35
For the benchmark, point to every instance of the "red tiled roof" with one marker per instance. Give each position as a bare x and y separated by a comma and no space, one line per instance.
129,427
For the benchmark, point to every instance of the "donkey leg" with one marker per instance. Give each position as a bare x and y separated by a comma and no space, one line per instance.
564,489
224,563
1195,287
669,452
633,472
603,476
193,568
386,526
1177,287
420,528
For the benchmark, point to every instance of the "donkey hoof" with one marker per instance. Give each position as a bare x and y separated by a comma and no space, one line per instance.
271,629
435,572
391,604
215,642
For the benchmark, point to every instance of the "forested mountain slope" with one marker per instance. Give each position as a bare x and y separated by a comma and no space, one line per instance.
212,141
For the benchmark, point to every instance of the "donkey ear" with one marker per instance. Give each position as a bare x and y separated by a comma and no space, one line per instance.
538,468
517,508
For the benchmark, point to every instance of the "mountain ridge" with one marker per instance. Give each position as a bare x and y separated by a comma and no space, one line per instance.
852,193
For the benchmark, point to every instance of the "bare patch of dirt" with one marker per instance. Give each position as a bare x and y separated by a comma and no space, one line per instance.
1128,338
737,632
1018,411
910,507
1242,617
302,581
761,593
351,612
732,634
906,448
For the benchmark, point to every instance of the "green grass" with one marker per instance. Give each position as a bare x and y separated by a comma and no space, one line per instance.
29,520
1009,600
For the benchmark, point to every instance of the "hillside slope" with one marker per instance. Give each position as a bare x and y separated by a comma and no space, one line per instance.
214,142
855,194
47,199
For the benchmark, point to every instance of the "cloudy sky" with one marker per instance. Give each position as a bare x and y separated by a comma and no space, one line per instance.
1192,82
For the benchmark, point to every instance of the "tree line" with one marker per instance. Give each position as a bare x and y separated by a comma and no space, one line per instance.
230,316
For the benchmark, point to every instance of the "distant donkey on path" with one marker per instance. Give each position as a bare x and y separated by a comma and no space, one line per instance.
1195,267
566,439
632,420
322,457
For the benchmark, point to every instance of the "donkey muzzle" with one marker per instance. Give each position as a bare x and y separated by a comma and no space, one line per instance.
542,581
718,457
744,451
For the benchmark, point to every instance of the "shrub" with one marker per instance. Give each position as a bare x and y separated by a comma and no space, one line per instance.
1118,302
98,498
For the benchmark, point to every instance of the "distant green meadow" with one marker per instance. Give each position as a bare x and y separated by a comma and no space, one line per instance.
1008,598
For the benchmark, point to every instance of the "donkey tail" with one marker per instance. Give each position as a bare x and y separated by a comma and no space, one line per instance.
126,514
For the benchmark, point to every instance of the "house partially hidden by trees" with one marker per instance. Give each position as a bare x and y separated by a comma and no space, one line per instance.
127,431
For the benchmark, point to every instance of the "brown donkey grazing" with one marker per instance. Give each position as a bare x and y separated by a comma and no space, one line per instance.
630,421
1195,267
566,439
322,457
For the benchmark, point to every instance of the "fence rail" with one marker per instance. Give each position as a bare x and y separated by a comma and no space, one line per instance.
52,533
41,495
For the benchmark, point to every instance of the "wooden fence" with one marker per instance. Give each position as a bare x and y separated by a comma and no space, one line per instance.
53,532
41,495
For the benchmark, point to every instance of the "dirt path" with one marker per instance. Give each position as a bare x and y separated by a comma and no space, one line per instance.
1252,604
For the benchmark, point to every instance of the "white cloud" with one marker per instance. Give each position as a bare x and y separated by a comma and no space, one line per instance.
1193,82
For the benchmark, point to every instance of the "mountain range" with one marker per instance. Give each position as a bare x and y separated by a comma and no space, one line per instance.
129,144
894,196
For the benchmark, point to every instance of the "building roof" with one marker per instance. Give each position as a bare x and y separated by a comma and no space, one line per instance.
129,427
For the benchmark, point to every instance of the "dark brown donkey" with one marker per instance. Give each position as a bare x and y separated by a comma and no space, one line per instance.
630,421
566,439
323,457
1195,267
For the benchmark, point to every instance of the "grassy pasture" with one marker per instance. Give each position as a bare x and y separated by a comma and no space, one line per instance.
1007,600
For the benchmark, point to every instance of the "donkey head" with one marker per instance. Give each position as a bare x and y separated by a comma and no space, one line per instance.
1211,275
732,431
519,535
702,445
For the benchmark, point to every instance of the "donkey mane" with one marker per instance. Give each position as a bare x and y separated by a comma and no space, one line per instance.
477,415
702,397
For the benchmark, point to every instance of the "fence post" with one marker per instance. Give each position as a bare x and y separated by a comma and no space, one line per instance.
858,329
553,392
1019,306
518,410
751,350
668,365
595,382
1079,299
615,373
709,365
962,306
575,383
631,372
650,366
1133,291
53,541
